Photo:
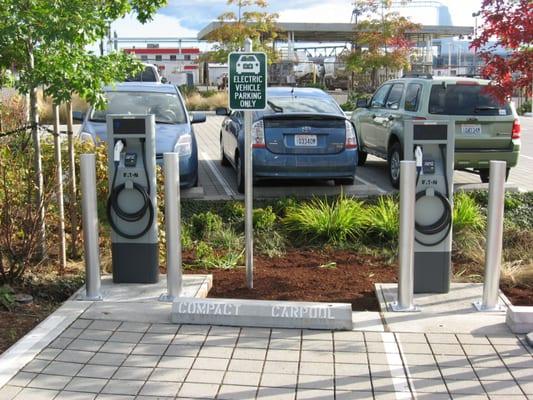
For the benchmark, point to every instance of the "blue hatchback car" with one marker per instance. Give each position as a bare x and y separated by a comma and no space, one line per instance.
303,134
174,132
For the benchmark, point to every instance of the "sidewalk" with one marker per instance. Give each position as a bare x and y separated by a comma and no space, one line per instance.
122,350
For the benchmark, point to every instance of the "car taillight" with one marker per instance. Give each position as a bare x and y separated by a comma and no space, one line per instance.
258,134
351,140
515,133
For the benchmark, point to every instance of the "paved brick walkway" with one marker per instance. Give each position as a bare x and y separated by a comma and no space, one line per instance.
97,359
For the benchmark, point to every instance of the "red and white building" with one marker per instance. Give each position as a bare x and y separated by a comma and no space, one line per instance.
178,65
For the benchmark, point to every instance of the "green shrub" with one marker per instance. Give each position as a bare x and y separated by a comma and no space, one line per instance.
264,219
233,212
282,205
348,106
203,225
7,299
269,243
321,220
384,219
525,107
467,214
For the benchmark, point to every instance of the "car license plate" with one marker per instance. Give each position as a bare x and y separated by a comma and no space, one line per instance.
471,130
305,140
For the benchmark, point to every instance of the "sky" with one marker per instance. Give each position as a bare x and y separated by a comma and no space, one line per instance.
184,18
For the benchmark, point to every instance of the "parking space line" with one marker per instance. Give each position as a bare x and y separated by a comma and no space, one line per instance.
364,181
223,182
400,383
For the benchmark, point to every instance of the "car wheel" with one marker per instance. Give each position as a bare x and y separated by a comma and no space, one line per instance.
240,175
223,159
393,164
484,175
344,181
361,157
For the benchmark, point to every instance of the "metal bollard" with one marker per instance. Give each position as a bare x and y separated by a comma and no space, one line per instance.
90,227
172,226
493,249
248,190
407,238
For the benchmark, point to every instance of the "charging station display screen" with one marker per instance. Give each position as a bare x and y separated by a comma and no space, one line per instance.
128,126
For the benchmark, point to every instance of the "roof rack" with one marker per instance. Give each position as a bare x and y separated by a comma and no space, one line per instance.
418,75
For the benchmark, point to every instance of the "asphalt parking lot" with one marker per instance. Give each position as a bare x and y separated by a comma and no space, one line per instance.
216,181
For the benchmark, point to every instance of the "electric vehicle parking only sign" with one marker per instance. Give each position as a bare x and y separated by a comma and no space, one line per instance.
247,81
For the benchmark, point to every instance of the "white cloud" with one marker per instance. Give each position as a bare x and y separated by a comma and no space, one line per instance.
330,11
160,26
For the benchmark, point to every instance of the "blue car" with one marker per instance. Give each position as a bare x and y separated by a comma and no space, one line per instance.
303,134
174,131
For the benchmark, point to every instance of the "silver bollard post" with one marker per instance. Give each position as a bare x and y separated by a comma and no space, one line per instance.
493,249
407,238
172,226
248,190
90,227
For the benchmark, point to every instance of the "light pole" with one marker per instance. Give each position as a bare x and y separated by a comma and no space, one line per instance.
475,15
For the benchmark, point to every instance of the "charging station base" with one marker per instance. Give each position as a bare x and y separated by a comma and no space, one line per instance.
432,272
135,262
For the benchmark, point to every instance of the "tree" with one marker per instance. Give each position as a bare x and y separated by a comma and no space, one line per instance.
250,21
46,41
380,39
511,22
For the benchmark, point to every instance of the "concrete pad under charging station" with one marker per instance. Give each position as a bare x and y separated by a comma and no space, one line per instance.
262,313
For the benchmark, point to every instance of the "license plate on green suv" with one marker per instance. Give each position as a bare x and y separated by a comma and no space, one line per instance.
471,130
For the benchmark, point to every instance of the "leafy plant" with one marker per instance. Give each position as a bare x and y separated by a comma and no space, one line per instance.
384,219
467,214
203,225
264,219
6,297
269,243
321,220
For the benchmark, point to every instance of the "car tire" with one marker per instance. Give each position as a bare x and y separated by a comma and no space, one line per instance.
223,159
240,174
344,181
361,157
484,175
393,164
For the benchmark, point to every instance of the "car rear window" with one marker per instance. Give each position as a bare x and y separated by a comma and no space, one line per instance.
460,99
148,75
304,104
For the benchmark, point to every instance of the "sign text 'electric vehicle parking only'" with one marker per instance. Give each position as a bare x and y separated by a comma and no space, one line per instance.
247,81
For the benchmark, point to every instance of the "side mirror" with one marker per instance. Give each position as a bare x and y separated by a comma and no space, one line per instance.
164,80
362,103
197,117
78,116
222,111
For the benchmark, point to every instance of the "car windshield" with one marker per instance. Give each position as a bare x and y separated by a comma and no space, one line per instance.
166,107
298,104
461,99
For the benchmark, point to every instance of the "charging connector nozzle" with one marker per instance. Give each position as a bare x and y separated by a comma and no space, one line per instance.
119,146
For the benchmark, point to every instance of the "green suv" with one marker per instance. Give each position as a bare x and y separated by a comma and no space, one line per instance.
484,129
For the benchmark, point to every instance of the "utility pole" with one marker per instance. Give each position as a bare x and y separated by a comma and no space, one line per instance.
475,15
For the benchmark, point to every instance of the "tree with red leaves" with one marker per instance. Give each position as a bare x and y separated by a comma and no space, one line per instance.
511,22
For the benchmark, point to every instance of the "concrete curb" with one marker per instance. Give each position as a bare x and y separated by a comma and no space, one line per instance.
519,319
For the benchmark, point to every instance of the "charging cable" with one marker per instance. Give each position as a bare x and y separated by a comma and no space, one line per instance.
113,204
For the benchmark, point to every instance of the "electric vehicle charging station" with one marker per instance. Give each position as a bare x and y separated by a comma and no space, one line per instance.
132,202
431,145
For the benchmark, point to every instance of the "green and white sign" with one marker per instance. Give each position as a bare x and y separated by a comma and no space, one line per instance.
247,81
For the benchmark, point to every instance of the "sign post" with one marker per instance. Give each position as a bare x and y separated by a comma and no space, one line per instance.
247,84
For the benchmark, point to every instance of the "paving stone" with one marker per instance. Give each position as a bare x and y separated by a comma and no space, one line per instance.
204,376
104,325
316,356
472,339
390,385
65,395
443,338
314,334
182,351
128,387
255,332
62,368
76,356
522,374
117,347
126,337
386,371
351,369
157,338
350,336
8,392
133,327
136,360
22,378
97,371
380,337
447,349
220,364
425,371
317,345
284,344
81,323
91,385
48,354
189,340
422,359
242,378
60,343
136,373
415,348
493,374
169,375
380,347
216,352
150,349
283,367
36,394
94,334
194,329
411,338
433,396
276,393
72,333
501,388
85,345
458,373
36,366
163,328
224,331
175,362
105,396
503,339
245,365
459,396
428,385
527,386
351,358
108,359
198,390
312,368
54,382
464,387
345,395
249,354
519,362
315,394
353,383
253,342
381,358
284,333
315,382
279,380
282,355
220,341
478,350
160,389
445,361
236,392
354,347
